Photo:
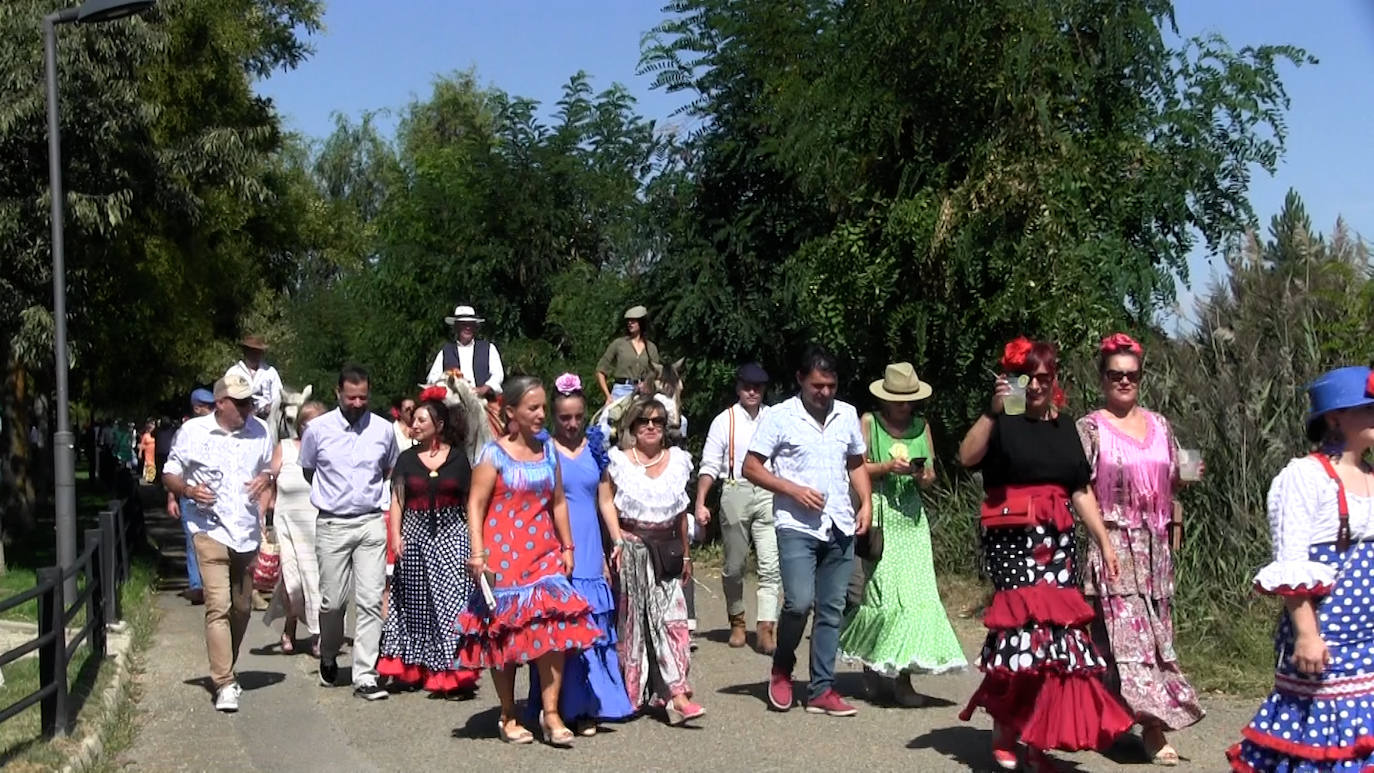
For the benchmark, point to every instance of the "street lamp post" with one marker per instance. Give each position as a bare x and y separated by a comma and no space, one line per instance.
64,445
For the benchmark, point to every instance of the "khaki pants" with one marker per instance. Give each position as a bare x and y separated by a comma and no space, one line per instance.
746,516
226,577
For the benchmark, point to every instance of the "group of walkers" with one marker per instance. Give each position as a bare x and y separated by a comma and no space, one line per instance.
565,547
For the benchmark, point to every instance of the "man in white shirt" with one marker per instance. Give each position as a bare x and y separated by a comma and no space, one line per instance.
264,378
817,450
746,510
223,462
476,359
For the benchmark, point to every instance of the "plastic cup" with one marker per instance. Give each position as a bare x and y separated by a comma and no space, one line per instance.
1189,465
1014,403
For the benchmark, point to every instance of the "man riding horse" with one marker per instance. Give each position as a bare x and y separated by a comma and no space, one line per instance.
473,361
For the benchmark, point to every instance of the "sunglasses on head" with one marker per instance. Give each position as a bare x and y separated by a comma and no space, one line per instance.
1113,376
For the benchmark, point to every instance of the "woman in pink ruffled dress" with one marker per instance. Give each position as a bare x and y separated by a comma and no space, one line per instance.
1134,459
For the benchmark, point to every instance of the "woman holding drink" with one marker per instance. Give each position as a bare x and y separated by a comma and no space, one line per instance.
1041,669
900,627
1135,458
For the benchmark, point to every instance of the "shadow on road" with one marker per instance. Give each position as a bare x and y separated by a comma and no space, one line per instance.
971,747
248,680
482,725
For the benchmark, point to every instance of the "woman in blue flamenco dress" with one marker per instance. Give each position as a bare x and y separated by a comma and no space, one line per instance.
523,552
593,687
1320,716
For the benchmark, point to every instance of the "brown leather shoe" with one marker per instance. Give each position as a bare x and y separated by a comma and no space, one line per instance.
737,631
767,638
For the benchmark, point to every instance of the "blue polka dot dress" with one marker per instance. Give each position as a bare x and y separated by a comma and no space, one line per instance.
1321,722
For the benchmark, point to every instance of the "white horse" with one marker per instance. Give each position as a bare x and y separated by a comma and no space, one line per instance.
291,403
480,415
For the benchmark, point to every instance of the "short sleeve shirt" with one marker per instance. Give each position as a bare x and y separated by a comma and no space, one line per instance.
621,361
815,455
204,453
351,462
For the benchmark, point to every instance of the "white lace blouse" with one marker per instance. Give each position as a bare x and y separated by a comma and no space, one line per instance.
1303,512
650,501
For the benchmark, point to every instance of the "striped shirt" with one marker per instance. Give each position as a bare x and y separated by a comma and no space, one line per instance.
812,455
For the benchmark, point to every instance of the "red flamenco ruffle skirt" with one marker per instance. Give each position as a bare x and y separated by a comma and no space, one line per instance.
1041,670
527,623
457,680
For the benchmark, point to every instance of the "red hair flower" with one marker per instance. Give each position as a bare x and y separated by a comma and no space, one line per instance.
1117,343
1058,397
1369,385
439,393
1014,354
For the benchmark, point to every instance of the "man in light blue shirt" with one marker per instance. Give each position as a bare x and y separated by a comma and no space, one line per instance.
816,448
348,455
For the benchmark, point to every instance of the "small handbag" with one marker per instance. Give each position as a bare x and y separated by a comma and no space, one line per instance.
1000,510
267,570
666,553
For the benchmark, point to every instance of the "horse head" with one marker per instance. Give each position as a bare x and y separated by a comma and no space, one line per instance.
291,402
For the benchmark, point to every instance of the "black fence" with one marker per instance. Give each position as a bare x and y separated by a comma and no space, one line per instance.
100,571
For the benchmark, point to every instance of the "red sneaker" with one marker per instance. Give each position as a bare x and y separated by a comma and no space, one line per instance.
831,704
780,690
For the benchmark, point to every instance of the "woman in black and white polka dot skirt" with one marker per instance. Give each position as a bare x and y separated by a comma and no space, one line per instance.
1042,675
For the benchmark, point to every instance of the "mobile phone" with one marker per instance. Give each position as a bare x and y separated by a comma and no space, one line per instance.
917,464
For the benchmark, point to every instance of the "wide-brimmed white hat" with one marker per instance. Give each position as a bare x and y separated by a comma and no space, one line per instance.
900,384
463,314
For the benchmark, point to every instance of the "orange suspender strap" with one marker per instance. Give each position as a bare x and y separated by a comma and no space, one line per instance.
730,471
1343,533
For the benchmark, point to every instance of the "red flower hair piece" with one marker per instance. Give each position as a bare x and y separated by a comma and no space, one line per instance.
1117,343
1059,398
1014,354
436,392
1369,385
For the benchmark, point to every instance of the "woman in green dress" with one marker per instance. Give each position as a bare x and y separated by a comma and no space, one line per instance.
900,626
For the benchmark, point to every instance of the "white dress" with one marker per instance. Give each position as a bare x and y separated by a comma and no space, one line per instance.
295,526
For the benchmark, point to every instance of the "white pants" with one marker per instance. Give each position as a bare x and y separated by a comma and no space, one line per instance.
352,559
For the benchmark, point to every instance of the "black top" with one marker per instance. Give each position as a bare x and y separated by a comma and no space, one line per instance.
425,491
1025,451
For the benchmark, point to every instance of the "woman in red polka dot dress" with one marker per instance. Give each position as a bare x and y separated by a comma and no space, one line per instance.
522,546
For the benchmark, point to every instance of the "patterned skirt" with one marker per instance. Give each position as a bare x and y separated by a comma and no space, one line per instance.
429,589
655,644
1321,723
1042,674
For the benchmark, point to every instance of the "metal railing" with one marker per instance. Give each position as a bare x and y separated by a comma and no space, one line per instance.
100,571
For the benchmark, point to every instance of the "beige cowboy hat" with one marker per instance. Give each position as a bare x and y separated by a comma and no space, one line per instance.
254,342
636,312
463,314
900,384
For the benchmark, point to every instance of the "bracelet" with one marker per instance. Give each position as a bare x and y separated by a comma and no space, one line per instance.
568,547
483,554
618,543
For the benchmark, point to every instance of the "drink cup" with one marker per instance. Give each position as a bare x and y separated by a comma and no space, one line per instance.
1189,465
1014,403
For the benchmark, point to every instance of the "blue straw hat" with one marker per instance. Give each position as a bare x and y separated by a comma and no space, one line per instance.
1349,387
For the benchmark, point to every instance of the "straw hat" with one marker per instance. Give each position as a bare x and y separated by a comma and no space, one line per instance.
900,384
254,342
463,314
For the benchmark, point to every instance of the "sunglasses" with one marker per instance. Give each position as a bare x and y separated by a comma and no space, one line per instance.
657,421
1113,376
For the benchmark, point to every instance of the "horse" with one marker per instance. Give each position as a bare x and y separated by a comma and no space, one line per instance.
291,403
666,385
484,422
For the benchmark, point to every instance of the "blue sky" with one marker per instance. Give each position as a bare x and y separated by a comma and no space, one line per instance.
375,56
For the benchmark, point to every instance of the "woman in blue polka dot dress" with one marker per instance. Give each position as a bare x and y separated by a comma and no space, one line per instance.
522,545
1320,716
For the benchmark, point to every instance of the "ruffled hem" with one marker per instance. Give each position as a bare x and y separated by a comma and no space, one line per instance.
892,670
456,680
1050,710
1363,747
1296,578
528,622
599,597
1044,603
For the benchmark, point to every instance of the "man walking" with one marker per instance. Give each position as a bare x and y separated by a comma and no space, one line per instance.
816,447
184,508
746,510
265,379
347,455
222,462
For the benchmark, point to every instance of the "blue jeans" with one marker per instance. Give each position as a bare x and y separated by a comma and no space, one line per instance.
813,572
192,566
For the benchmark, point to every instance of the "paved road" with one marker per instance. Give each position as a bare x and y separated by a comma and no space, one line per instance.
289,723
